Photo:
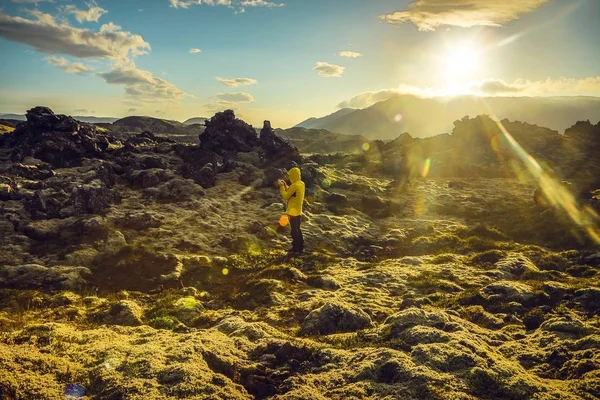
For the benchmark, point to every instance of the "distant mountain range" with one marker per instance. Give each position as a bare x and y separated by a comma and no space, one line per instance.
105,120
423,117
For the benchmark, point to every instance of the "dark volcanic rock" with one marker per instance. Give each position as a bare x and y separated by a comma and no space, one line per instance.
202,165
333,318
32,276
56,139
145,138
225,132
93,198
275,151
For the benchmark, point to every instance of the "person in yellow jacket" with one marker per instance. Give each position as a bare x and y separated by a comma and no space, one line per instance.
294,196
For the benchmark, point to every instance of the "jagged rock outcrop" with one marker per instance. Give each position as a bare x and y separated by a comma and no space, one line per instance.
226,133
56,139
275,151
145,138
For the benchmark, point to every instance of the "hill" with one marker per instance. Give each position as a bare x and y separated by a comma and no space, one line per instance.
423,117
195,120
176,130
87,119
315,123
322,141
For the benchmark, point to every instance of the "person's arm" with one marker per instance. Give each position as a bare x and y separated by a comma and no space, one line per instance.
287,192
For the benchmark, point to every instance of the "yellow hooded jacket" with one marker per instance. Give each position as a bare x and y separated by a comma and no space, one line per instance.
294,194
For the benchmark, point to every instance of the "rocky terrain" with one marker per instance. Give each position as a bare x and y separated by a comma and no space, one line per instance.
135,267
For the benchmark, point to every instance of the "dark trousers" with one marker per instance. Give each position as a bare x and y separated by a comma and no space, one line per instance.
297,239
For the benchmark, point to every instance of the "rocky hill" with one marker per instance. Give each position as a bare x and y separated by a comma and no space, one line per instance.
322,141
175,130
149,269
423,117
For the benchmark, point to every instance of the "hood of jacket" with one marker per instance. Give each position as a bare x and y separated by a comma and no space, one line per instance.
294,174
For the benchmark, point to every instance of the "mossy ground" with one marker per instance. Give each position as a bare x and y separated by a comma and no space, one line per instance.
471,294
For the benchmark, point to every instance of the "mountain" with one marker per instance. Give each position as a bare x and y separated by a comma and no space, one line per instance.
195,120
322,141
87,119
315,123
423,117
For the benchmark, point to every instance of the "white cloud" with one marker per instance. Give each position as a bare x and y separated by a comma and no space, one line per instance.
237,5
430,14
93,14
236,82
235,97
260,3
195,51
110,27
72,68
589,86
142,85
188,3
329,70
46,35
350,54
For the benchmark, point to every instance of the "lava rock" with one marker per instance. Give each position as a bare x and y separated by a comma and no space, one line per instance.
334,318
56,139
225,132
34,276
275,151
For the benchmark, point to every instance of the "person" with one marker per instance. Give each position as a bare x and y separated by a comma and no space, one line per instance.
294,196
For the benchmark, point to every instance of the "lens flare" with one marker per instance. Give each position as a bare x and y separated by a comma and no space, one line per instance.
284,220
426,167
225,271
554,191
366,146
398,117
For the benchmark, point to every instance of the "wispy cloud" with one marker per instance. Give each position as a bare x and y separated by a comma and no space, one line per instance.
237,82
142,85
72,68
329,70
430,14
46,35
260,3
195,51
92,14
235,97
237,5
589,86
350,54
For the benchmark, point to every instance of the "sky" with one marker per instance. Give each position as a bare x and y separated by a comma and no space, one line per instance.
287,60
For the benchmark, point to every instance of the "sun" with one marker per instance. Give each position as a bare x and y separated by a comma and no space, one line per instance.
461,63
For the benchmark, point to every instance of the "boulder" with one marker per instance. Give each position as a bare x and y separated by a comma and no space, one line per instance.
34,276
125,313
145,138
335,318
150,177
177,189
225,132
275,151
56,139
395,324
93,198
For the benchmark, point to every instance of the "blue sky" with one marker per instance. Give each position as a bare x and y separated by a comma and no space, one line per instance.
281,60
